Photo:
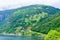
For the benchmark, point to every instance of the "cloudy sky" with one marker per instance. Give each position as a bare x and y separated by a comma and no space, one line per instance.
10,4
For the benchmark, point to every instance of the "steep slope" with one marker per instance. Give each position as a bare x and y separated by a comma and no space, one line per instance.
48,24
32,18
4,14
39,8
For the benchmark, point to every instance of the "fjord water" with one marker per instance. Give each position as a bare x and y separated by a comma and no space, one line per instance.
4,37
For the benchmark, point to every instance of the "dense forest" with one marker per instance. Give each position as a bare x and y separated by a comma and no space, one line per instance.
35,20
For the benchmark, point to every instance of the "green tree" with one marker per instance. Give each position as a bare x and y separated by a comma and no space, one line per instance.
53,35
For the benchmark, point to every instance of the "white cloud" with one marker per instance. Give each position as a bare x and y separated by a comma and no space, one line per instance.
5,4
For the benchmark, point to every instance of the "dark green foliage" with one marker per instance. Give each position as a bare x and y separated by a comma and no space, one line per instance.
32,21
49,23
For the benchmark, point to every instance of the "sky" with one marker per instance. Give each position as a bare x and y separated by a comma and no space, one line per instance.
11,4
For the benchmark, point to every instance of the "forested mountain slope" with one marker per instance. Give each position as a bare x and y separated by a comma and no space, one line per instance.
39,8
32,20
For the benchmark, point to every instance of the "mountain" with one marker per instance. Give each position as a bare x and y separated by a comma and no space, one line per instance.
40,8
50,23
5,14
33,20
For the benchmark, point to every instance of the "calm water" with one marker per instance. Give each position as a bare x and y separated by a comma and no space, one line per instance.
19,38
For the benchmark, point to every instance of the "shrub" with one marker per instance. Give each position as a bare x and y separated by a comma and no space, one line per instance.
53,35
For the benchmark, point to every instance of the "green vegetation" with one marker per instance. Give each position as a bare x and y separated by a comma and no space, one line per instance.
39,21
48,24
53,35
